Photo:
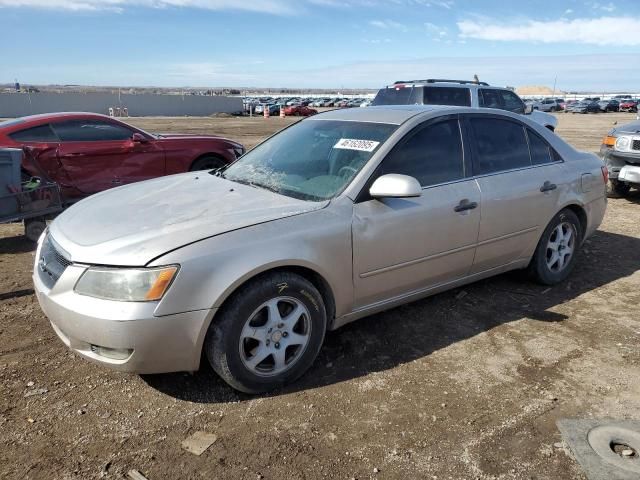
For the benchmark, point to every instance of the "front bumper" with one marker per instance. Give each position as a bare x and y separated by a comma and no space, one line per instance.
630,174
616,161
153,344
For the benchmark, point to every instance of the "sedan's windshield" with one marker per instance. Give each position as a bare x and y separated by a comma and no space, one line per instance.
312,160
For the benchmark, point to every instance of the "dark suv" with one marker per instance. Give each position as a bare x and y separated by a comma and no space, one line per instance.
460,93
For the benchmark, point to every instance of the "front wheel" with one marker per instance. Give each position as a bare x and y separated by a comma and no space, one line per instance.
207,162
268,333
555,255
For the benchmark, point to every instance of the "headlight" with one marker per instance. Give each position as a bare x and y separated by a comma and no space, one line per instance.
126,285
623,143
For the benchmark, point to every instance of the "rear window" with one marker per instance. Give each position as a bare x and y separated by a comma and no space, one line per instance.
458,97
394,96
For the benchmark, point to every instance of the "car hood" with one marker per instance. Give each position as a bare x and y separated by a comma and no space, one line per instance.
633,127
187,136
134,224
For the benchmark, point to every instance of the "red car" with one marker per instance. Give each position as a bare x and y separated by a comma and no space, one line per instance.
86,153
299,111
628,106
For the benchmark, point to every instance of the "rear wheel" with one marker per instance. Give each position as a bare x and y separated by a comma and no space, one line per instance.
207,162
555,255
617,189
268,333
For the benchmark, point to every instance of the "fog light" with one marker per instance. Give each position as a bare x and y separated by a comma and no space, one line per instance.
112,353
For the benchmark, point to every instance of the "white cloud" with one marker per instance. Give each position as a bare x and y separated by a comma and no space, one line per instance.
388,25
276,7
266,6
594,31
606,7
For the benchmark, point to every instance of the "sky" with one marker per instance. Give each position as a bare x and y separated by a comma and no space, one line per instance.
578,44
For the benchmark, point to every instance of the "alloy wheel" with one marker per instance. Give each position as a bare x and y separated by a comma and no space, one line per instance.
561,246
275,336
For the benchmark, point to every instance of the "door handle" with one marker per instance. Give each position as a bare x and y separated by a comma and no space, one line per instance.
116,181
465,205
548,186
74,154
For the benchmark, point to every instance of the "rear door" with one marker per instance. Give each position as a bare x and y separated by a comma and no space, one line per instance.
98,155
406,245
520,180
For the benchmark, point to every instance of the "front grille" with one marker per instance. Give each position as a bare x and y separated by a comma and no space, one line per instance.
635,145
52,263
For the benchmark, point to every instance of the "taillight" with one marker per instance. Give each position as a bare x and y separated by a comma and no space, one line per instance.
605,174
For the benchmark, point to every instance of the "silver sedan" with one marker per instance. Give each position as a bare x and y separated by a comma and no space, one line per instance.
339,216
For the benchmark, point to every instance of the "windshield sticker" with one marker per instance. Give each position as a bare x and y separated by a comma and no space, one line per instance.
353,144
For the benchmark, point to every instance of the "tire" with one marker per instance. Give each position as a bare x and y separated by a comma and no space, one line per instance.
617,189
207,162
546,269
33,228
246,339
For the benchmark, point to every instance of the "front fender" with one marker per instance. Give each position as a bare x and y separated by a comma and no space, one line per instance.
212,269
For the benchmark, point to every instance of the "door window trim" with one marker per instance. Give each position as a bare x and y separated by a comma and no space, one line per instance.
465,120
52,125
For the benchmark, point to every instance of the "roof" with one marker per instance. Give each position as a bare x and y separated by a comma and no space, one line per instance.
32,120
394,114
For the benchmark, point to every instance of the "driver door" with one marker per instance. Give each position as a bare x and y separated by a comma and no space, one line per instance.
406,245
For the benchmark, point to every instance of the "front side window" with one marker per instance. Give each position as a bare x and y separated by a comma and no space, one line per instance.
459,97
312,160
489,98
512,102
432,154
41,133
499,144
90,131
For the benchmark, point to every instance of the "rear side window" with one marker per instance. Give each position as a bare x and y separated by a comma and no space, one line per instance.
499,144
541,152
394,96
41,133
432,154
90,131
459,97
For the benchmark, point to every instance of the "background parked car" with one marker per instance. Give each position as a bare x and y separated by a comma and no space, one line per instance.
299,111
584,106
609,105
629,106
550,105
86,153
461,93
620,151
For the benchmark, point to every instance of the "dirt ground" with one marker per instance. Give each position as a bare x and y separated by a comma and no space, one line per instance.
464,385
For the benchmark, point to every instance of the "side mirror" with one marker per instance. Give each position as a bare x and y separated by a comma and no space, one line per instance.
528,108
139,138
394,185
